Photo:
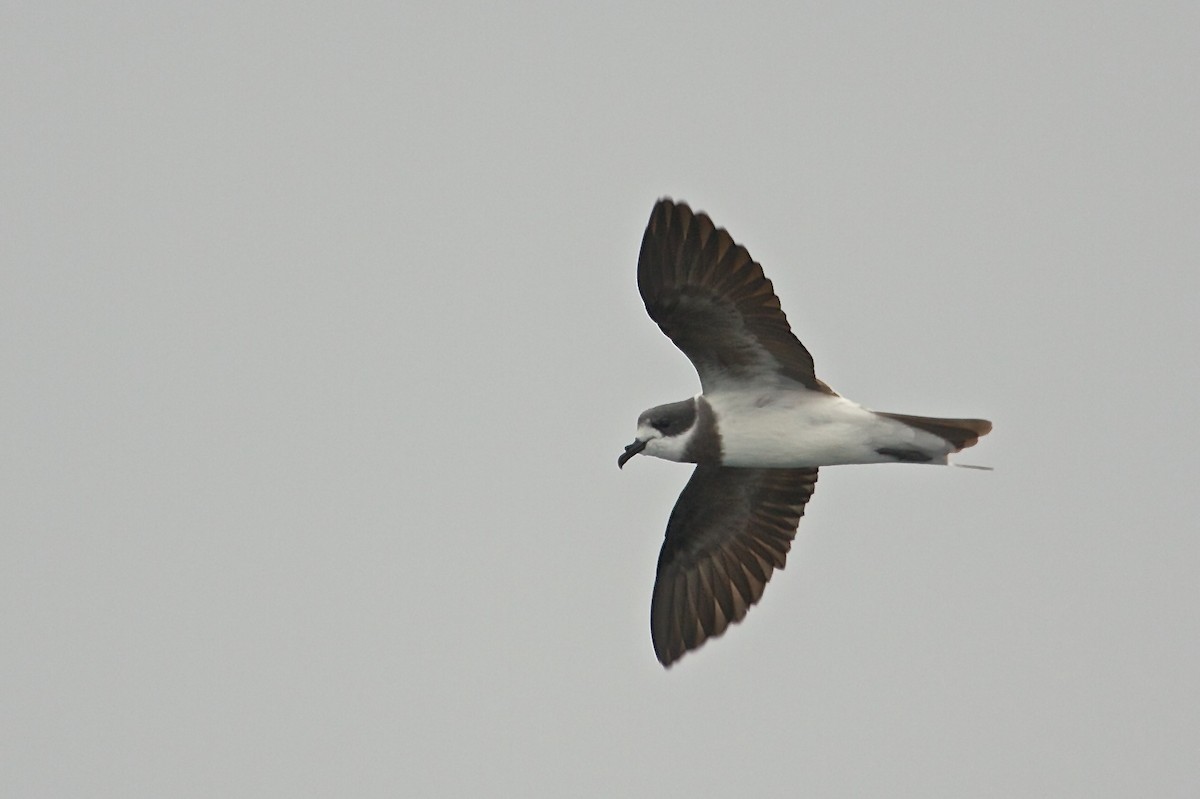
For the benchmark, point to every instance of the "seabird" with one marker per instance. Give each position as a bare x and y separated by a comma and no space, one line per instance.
761,426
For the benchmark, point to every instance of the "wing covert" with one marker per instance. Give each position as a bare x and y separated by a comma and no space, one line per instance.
714,302
730,529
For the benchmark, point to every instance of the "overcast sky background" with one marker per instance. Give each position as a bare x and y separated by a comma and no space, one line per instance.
319,339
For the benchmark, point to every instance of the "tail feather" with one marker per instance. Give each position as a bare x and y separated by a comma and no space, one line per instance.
961,433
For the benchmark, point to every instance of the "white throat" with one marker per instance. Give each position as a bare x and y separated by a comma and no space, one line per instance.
669,448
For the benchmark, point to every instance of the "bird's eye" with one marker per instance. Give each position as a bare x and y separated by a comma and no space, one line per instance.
660,424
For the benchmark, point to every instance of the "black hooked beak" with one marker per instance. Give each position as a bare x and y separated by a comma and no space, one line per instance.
637,446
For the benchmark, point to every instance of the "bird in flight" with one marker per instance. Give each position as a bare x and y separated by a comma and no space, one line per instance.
761,426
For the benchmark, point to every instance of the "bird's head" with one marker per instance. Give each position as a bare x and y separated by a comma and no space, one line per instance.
664,431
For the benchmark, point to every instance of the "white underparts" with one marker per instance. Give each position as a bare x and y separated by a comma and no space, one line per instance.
773,428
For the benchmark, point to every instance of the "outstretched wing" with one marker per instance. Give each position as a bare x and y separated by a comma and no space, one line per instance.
712,299
729,530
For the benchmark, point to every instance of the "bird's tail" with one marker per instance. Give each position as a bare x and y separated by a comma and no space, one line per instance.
960,433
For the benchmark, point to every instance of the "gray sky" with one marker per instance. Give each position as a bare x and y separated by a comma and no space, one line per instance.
320,337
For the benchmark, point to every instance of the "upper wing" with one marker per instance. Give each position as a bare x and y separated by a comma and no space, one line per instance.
714,302
730,529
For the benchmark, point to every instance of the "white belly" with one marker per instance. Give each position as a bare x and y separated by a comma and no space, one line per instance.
776,429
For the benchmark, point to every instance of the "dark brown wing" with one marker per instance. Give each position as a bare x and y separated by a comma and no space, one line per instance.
730,529
712,299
